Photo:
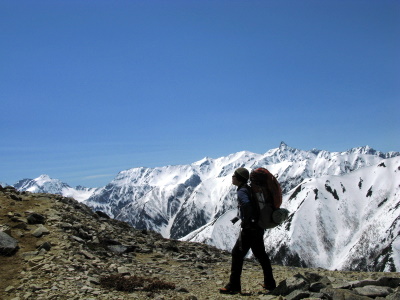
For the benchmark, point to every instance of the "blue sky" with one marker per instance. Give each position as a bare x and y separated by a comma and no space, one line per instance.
90,88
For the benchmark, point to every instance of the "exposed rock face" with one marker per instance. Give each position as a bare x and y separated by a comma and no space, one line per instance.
71,252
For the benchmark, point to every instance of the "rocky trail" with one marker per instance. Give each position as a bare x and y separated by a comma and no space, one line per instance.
53,247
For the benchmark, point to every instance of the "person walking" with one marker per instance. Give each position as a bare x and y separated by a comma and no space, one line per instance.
250,237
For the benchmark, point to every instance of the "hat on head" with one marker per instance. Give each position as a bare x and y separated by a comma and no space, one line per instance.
242,174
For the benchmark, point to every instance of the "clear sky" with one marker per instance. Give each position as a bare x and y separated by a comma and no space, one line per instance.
90,88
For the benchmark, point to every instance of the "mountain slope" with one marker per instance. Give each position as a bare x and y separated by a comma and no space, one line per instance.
66,251
349,222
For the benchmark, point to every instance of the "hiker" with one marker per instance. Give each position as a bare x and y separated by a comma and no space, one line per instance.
250,237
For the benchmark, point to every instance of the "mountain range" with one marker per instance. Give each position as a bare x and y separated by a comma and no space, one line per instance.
345,206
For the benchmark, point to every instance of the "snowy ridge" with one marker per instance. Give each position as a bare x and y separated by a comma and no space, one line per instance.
349,222
45,184
335,200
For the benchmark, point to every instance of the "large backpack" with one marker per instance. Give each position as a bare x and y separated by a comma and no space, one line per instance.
267,198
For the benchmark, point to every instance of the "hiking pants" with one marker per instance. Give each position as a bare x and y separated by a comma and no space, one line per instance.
250,239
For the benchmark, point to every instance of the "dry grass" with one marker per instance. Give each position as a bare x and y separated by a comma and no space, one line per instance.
12,267
132,283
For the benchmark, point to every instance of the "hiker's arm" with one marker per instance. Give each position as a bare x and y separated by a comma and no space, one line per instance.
246,208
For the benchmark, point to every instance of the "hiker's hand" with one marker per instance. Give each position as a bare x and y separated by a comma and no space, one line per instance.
234,220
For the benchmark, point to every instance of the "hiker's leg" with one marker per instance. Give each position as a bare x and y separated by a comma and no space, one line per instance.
239,251
258,249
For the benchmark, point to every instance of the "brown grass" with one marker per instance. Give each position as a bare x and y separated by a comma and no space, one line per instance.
132,283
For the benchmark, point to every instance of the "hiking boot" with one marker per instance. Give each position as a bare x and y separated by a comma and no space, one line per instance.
230,289
269,287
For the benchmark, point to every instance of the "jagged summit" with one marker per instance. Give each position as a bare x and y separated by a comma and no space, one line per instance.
283,146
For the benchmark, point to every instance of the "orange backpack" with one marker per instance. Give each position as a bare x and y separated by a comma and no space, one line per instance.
267,198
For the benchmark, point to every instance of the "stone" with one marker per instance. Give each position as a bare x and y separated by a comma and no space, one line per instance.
6,229
297,295
389,281
40,231
373,291
343,285
21,225
341,294
9,289
87,254
46,246
94,280
119,249
124,270
15,197
316,287
362,283
102,215
8,245
313,277
77,239
297,282
35,218
394,296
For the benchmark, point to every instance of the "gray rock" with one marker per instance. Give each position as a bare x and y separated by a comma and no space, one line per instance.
94,280
65,225
317,287
298,282
8,245
297,295
119,249
15,197
9,289
77,239
343,285
313,277
362,283
21,225
389,281
35,218
340,294
46,246
317,296
395,296
124,271
374,291
102,215
40,231
87,254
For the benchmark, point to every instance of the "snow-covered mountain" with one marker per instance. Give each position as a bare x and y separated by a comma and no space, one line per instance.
344,206
195,202
348,222
45,184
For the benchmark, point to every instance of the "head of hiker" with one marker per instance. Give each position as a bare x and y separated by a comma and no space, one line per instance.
240,177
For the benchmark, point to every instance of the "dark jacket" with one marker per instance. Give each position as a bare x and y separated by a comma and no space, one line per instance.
247,212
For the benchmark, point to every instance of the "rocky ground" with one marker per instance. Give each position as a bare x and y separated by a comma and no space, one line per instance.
52,247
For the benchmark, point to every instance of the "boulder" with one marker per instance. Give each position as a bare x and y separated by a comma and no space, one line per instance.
297,282
35,218
102,215
374,291
8,245
389,281
40,231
